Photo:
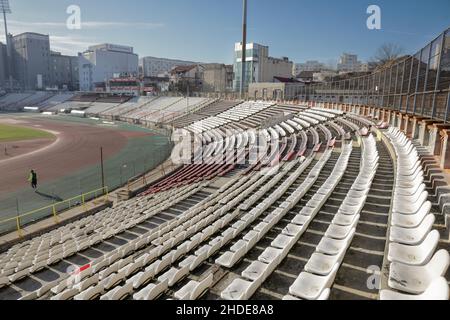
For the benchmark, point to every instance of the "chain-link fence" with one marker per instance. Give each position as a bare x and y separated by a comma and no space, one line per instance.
140,156
417,84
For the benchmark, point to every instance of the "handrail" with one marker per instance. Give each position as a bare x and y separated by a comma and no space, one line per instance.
53,207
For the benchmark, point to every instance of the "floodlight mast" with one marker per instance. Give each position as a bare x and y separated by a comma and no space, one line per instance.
244,49
5,8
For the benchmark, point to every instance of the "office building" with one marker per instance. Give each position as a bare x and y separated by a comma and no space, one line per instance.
64,72
260,67
31,56
103,62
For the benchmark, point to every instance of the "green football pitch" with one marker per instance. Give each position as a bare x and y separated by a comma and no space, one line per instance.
10,133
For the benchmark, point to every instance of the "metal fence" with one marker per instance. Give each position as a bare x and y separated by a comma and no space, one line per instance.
418,84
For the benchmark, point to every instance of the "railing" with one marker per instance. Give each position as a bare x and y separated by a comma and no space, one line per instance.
53,210
417,84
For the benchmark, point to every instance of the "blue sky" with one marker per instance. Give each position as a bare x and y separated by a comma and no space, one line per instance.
206,30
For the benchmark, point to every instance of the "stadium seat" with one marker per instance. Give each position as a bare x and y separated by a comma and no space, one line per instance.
194,289
437,290
90,294
152,291
412,236
310,287
118,293
411,221
416,279
414,255
239,289
65,295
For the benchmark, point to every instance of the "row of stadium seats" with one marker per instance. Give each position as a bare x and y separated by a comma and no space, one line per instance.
414,272
166,245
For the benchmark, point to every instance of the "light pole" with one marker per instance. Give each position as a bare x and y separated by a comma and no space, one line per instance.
244,48
102,168
5,8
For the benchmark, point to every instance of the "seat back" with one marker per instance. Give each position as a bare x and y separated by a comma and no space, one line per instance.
439,264
438,290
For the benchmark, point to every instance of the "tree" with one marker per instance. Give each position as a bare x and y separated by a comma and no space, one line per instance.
387,53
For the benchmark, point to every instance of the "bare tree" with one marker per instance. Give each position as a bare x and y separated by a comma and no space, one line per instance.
387,53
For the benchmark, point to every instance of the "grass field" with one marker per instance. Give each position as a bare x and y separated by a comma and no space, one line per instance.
10,133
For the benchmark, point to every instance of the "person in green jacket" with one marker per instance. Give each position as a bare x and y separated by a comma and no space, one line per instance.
33,179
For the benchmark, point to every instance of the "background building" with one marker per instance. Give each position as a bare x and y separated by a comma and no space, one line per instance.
349,63
3,76
324,75
103,62
217,77
259,66
64,71
311,65
159,67
31,55
282,89
187,79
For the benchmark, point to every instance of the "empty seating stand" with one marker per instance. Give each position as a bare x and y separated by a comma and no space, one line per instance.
224,230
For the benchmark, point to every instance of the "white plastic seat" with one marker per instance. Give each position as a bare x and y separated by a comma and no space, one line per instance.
271,256
341,232
152,291
256,270
82,286
301,220
90,293
174,275
437,290
141,278
412,236
293,230
65,295
118,293
414,220
322,264
416,279
239,289
414,255
194,290
229,259
282,241
334,247
310,287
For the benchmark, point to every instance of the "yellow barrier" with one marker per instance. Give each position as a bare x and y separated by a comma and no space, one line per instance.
103,191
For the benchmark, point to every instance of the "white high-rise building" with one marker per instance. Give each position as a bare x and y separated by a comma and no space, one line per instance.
259,66
103,62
